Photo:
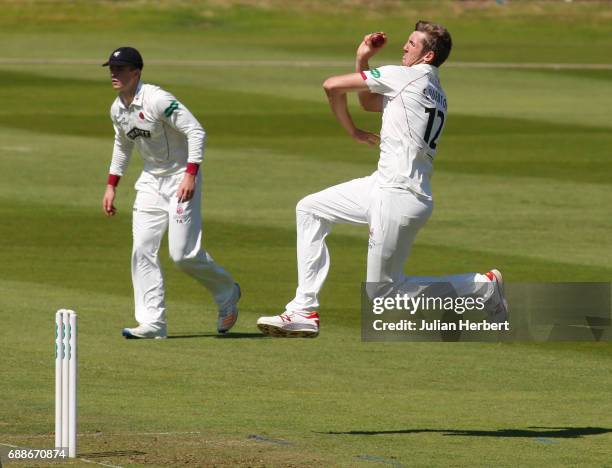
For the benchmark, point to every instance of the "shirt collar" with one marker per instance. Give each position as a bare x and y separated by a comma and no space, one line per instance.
139,93
137,101
426,67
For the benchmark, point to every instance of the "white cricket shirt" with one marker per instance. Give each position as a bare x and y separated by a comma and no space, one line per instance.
168,136
414,114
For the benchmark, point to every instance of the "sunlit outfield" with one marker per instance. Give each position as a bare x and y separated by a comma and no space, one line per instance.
522,182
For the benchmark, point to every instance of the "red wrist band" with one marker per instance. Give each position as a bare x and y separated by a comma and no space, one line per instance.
192,168
113,179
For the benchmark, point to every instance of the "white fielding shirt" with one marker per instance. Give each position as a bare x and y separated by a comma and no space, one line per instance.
168,136
414,114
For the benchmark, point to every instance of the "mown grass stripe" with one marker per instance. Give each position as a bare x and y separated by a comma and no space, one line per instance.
309,63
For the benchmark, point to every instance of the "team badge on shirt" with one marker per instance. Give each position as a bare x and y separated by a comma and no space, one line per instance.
181,217
371,241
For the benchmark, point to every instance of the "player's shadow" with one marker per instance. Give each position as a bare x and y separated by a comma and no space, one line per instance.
532,431
226,336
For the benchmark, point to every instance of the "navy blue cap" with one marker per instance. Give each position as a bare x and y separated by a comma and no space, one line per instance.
125,56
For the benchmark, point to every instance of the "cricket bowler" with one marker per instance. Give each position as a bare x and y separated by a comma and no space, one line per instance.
396,200
168,194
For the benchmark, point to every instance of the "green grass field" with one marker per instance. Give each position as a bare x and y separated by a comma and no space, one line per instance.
522,182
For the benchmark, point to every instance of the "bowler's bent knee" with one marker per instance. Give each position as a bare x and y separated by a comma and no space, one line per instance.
307,205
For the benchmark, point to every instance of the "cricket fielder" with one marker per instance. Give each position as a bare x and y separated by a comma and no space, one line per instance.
396,200
168,194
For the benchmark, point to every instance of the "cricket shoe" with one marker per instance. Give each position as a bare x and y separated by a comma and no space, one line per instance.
498,310
143,332
290,325
228,314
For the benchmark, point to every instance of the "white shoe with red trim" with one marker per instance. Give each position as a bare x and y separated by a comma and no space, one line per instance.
290,325
498,308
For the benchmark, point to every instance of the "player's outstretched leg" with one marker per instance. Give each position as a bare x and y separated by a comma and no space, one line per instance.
488,286
497,306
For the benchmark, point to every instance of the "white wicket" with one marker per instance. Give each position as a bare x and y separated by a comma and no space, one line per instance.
66,381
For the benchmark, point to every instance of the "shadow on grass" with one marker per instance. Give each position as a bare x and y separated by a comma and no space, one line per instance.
116,453
532,431
227,336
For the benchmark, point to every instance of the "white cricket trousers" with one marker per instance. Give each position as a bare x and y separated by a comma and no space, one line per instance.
156,209
394,218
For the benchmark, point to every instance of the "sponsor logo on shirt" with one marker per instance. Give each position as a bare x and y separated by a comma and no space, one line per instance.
138,132
375,72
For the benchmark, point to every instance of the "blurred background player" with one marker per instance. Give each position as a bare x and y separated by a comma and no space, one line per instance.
171,143
396,200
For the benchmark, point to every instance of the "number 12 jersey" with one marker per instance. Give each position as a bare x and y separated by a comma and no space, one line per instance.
414,115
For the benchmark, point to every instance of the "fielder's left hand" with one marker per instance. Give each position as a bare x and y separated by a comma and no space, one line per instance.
187,188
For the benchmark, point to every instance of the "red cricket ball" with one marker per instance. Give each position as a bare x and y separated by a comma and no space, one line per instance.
377,40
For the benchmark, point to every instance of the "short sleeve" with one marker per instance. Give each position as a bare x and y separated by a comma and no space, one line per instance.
388,80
